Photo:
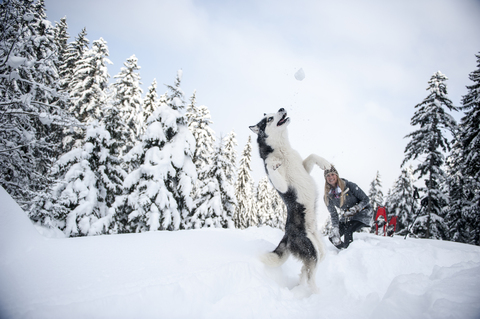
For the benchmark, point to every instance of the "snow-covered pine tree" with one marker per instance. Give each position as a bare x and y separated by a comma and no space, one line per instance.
427,144
74,53
464,214
186,174
158,191
375,193
40,15
114,125
401,202
224,162
264,203
199,121
279,209
205,193
92,175
271,210
245,215
61,40
458,228
49,50
208,209
90,83
88,90
224,174
470,124
66,68
29,113
150,103
128,99
230,151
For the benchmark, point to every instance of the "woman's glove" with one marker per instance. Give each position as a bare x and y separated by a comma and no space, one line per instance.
335,236
352,211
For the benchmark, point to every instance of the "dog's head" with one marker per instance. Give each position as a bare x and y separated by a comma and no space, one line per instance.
271,124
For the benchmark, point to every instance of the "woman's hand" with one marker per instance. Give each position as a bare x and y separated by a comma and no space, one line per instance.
335,236
352,211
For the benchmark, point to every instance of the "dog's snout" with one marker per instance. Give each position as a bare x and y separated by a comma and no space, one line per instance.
281,110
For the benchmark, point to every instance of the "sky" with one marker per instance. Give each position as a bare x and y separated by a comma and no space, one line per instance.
366,63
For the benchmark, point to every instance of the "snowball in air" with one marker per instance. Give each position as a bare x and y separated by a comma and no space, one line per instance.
300,74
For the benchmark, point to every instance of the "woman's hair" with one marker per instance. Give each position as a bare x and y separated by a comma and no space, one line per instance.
328,187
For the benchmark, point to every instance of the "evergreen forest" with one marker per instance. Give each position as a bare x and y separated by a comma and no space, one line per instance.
89,154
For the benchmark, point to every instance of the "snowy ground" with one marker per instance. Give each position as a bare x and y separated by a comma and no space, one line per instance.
216,274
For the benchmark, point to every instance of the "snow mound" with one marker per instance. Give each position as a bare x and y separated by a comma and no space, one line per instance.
17,233
215,273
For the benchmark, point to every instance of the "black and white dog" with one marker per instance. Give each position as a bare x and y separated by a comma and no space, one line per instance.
290,175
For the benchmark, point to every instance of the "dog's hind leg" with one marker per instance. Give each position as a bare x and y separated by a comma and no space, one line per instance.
308,274
307,251
278,256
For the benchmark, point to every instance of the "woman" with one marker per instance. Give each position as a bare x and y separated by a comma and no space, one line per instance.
348,197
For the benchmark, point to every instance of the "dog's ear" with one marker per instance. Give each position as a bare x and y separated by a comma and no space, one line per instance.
254,129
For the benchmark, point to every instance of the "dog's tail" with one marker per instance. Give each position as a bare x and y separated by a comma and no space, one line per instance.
278,256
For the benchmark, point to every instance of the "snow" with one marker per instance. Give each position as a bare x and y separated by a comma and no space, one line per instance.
300,74
155,132
216,273
15,62
45,118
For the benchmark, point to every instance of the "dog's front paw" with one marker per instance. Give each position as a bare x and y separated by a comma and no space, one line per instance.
323,163
275,166
326,165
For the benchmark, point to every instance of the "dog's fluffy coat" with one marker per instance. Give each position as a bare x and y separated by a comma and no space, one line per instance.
291,178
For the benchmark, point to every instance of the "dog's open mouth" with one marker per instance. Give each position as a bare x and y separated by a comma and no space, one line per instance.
282,120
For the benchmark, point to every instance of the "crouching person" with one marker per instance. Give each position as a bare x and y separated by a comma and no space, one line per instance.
352,200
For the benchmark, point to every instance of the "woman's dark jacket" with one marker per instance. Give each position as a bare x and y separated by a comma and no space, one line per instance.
353,196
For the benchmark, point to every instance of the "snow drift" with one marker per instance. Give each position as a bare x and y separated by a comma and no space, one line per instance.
213,273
